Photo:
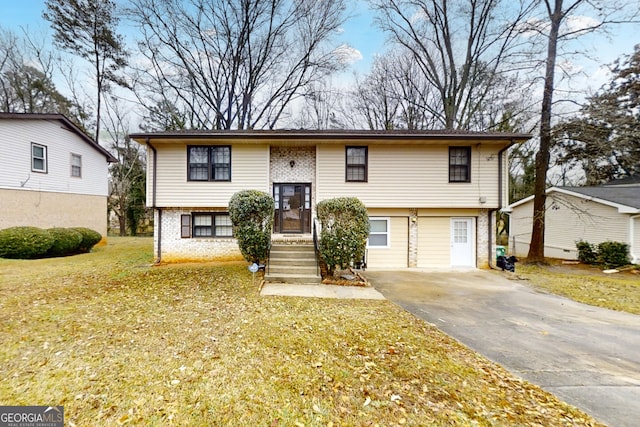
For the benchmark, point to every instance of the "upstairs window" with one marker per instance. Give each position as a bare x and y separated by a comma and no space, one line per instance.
459,164
356,164
209,163
76,165
38,158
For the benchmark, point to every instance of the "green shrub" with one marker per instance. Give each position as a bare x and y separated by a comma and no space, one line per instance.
344,230
613,254
609,254
587,252
251,213
66,242
24,242
89,238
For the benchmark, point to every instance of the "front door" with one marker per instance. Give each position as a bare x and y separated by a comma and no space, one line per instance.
462,242
293,208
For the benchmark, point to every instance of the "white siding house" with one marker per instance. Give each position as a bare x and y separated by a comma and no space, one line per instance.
592,214
51,174
431,196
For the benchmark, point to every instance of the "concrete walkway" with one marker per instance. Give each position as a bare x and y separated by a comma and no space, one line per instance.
587,356
321,291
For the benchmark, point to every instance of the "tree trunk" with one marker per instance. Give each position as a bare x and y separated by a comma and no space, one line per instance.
536,247
122,221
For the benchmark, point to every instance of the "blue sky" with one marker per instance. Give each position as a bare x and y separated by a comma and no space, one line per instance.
359,31
361,34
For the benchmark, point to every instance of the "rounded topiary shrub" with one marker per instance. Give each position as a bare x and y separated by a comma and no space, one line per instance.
24,242
89,238
344,230
66,242
251,213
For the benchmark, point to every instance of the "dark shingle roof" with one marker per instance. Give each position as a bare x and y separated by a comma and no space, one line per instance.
628,195
331,134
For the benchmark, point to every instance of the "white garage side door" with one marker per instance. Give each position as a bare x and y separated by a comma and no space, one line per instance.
462,242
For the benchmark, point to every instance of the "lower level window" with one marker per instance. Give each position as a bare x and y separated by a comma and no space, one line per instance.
210,224
378,233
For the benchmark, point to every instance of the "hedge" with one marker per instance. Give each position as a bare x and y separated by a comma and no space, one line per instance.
609,254
25,242
66,241
34,242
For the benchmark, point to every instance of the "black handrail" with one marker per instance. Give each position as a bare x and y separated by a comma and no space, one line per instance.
268,257
316,246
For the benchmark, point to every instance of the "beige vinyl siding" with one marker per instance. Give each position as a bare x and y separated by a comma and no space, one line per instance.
568,220
410,176
249,171
434,237
397,254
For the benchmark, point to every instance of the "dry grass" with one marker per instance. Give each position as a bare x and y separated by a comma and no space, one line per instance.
587,285
118,342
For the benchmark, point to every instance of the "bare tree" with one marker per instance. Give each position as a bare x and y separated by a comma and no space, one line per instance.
235,63
127,176
27,73
375,98
461,47
557,13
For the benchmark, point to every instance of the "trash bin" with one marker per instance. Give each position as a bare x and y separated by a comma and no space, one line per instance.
500,251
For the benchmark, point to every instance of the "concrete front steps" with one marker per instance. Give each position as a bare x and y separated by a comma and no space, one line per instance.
292,262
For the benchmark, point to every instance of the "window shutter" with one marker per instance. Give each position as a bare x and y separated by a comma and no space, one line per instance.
185,225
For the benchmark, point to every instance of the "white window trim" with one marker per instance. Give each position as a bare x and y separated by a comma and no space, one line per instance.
78,166
44,158
388,233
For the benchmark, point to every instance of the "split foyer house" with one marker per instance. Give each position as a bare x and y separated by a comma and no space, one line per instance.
593,214
51,174
431,195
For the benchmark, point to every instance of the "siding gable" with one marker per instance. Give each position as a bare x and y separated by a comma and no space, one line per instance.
16,138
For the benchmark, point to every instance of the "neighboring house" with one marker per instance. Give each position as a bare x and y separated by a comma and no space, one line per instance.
51,174
592,214
431,195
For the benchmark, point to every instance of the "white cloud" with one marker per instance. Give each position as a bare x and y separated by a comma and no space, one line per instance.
347,54
579,23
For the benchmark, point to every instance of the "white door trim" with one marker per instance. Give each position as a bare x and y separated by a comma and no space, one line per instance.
463,242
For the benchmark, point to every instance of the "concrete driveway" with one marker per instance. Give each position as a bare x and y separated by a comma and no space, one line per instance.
587,356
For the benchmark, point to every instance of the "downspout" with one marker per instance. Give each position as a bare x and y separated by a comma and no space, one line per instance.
493,211
154,174
632,249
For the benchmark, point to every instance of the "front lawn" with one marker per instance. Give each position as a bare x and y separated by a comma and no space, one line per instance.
119,342
586,284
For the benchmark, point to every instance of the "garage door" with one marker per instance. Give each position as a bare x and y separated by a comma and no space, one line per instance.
434,242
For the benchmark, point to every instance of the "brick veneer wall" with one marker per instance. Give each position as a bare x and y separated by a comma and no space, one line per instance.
303,170
482,239
178,249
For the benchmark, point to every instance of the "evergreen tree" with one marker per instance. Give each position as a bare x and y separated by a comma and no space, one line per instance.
87,28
